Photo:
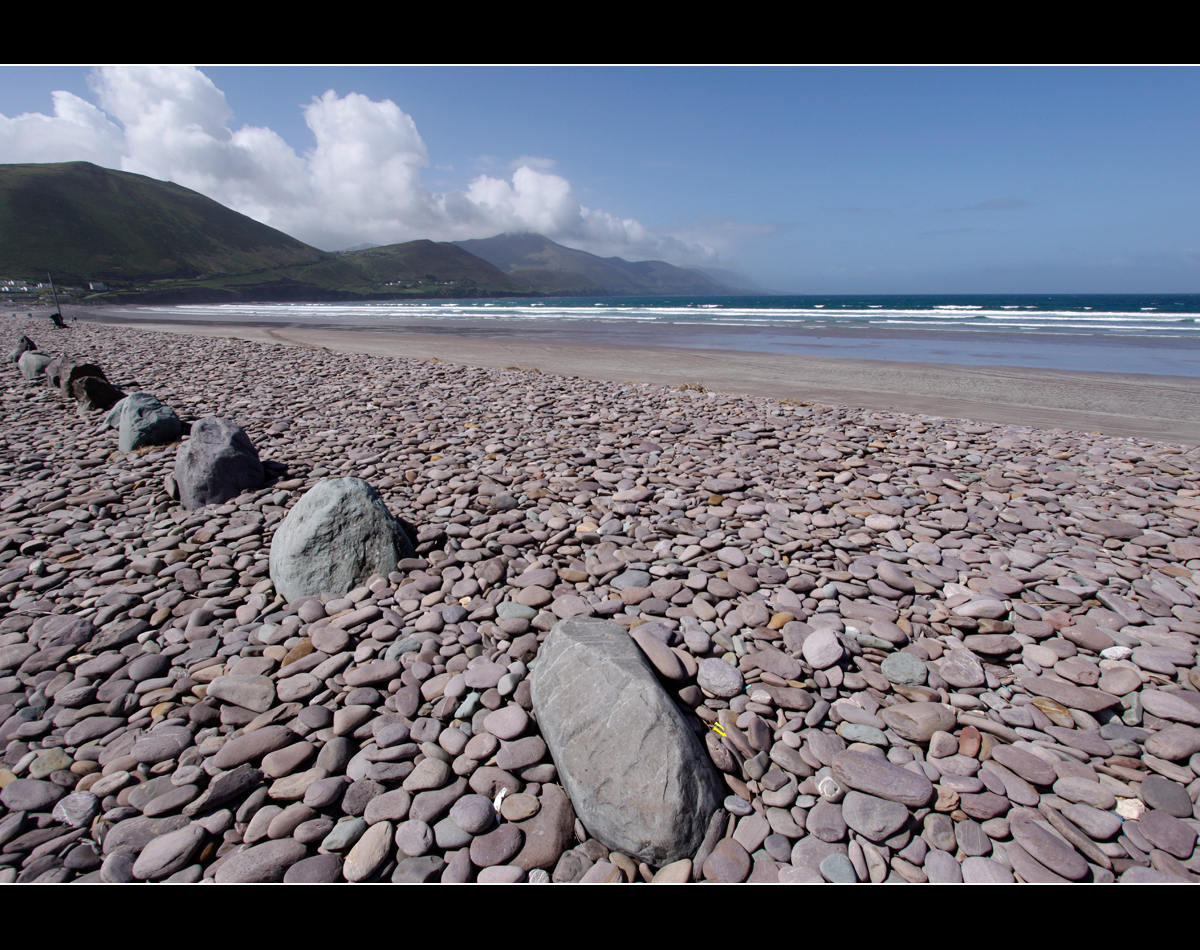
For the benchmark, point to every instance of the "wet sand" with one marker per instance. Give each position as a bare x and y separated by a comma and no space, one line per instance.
1162,408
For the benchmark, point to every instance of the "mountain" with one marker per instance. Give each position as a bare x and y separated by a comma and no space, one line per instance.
550,268
436,263
157,242
83,222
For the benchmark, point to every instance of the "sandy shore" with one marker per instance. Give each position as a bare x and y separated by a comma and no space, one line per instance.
1162,408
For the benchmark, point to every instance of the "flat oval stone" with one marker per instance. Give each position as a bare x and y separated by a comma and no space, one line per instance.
729,863
1165,795
484,676
878,777
521,753
161,744
1168,706
873,818
256,693
252,746
1089,742
1025,764
1049,850
27,794
1120,681
506,723
1168,833
1096,824
1088,637
905,669
473,813
661,656
1075,697
1075,789
1174,743
262,863
720,678
986,871
822,649
992,644
379,671
917,722
496,847
961,668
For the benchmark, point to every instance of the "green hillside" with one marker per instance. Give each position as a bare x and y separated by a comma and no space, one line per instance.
157,242
434,263
82,222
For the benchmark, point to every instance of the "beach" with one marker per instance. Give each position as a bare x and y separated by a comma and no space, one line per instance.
1158,407
909,622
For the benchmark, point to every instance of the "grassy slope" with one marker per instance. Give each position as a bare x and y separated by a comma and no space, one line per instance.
438,262
83,222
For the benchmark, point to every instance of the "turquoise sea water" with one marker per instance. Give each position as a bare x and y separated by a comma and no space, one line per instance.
1153,334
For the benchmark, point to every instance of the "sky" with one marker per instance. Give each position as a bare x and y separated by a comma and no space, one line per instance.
816,180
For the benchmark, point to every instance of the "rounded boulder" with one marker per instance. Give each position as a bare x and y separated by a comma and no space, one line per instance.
337,536
217,463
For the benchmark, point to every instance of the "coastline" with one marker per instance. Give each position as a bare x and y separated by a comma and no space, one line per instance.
1160,408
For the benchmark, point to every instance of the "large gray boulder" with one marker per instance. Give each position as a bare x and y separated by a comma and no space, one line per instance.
217,463
142,420
336,536
638,776
33,364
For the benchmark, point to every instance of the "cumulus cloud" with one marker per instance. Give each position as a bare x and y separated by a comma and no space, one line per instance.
359,183
76,130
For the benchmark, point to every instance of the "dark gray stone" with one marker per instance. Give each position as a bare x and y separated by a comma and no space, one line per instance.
1165,795
423,870
337,535
635,772
94,392
24,345
216,463
27,794
141,419
319,869
1168,833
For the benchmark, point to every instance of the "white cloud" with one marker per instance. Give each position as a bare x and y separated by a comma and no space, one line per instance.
76,130
359,183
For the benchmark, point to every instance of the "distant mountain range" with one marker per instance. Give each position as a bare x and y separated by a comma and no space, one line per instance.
151,241
543,265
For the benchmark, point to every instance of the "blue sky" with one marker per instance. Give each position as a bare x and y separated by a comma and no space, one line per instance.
809,180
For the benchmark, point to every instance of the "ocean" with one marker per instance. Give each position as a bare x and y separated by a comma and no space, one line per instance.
1154,334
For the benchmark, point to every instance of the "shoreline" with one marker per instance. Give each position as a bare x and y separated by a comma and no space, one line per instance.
1159,408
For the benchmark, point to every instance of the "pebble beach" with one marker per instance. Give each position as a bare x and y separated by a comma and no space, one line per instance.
906,647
